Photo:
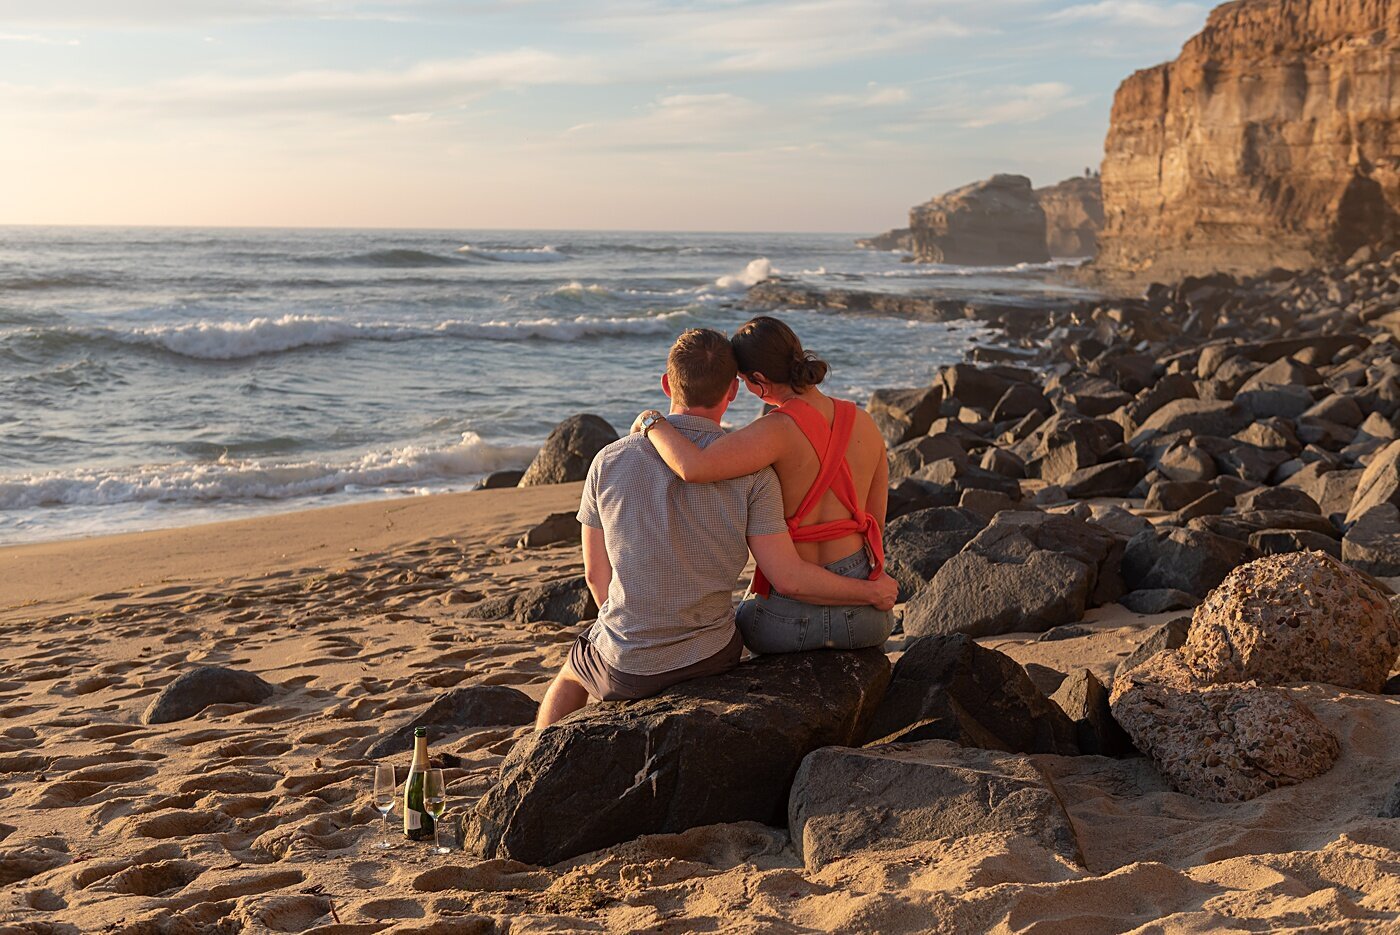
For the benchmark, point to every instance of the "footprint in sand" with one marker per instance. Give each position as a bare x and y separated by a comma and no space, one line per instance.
21,863
163,878
382,909
182,824
291,913
42,900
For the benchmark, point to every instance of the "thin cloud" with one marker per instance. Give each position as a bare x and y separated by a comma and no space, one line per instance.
1023,104
874,96
1132,13
36,40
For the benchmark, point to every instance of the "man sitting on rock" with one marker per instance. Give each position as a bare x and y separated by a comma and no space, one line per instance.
662,556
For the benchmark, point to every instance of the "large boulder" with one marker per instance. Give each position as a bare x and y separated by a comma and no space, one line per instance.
460,710
904,414
566,601
1026,572
1300,617
712,750
893,795
569,450
201,687
950,688
1189,560
1221,743
917,544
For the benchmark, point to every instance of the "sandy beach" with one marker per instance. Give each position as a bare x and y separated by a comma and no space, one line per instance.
256,818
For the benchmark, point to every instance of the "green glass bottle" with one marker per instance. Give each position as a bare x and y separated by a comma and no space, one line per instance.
417,823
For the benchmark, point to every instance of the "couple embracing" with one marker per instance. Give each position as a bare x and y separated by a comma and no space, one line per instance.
671,512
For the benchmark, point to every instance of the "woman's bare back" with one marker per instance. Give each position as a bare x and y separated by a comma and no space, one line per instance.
799,464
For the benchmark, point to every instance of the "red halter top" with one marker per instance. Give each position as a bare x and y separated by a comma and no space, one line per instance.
830,443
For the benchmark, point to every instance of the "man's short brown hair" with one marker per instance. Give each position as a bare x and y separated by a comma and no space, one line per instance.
701,368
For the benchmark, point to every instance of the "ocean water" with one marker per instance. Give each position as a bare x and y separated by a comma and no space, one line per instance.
159,377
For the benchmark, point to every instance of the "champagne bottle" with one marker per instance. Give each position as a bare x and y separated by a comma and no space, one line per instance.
417,823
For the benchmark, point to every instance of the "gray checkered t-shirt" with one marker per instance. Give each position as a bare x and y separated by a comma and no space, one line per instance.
676,549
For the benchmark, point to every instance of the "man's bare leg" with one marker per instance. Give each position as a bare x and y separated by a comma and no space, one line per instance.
564,696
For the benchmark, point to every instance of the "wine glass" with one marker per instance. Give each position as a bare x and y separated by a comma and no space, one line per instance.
435,804
384,786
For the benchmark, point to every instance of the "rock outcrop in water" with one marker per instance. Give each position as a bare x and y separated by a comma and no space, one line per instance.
1272,140
995,222
1001,221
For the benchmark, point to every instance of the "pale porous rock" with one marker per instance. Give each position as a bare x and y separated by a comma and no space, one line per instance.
1299,617
1270,141
1223,743
993,222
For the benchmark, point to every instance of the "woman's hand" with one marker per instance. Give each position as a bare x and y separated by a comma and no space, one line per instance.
884,592
642,417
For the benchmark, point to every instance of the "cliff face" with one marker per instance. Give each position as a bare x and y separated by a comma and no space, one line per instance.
1073,216
1272,140
997,221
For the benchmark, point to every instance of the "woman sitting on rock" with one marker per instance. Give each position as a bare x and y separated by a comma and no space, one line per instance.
831,461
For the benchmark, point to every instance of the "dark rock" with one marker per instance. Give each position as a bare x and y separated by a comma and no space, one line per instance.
980,387
1380,483
1391,808
904,414
1068,632
1275,434
1020,399
569,450
198,688
1114,479
1372,544
1276,498
986,503
1170,496
499,480
708,751
556,528
1003,462
950,473
917,544
1285,371
1187,560
1338,409
949,688
907,458
893,795
1084,699
1286,402
458,711
1068,443
1328,435
908,495
1160,601
1044,678
1111,518
1170,635
1281,541
1186,464
1332,490
1256,520
1024,572
1168,389
1212,504
500,607
566,601
1198,416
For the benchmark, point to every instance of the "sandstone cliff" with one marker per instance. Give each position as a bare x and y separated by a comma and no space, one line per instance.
1272,140
1073,216
898,239
997,221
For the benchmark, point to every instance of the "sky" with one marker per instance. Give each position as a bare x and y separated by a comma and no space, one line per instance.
752,115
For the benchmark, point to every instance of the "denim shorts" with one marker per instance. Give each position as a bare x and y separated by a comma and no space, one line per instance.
779,624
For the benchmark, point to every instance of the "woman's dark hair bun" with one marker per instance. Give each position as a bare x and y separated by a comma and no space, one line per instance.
808,370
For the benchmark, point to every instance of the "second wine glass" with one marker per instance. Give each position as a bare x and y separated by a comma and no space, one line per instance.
384,798
435,804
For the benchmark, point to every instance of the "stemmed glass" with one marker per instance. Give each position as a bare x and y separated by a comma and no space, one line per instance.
384,797
435,804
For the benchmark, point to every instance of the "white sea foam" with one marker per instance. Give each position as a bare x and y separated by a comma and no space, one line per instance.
545,254
753,274
227,480
233,340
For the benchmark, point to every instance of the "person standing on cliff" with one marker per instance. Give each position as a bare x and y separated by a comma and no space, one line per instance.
662,556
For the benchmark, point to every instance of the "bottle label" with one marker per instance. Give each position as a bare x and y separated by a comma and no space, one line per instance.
412,820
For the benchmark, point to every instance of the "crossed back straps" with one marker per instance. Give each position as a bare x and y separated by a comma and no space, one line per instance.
830,443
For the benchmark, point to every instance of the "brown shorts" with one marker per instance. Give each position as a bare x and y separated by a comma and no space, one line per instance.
608,684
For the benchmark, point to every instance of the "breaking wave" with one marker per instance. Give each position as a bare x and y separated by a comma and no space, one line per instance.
545,254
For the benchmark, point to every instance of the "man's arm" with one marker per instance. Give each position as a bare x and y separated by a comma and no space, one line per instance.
813,584
597,568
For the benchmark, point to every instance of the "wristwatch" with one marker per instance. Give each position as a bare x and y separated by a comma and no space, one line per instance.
649,420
